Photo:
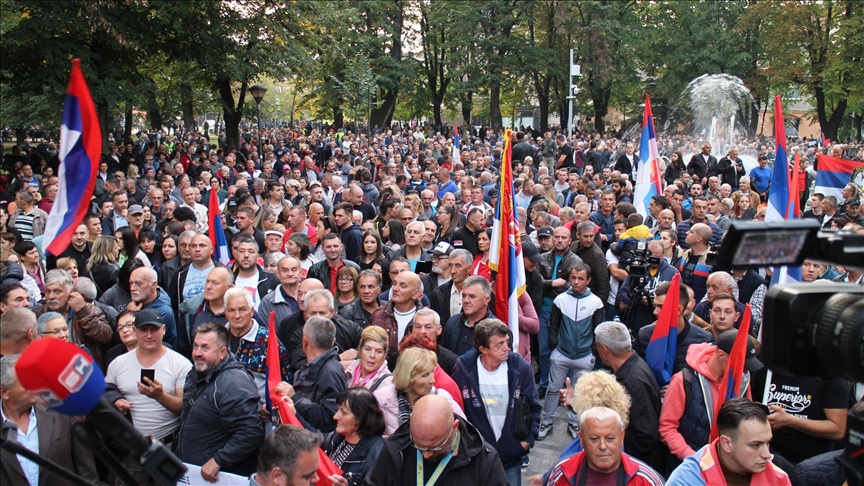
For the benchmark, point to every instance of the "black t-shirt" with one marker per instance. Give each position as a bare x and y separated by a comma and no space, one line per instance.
805,397
567,151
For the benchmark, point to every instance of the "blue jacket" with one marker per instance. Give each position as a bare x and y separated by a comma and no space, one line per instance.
352,238
572,322
450,186
520,378
163,305
684,226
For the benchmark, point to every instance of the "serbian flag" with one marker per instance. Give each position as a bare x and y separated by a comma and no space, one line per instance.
834,174
660,352
648,181
217,234
456,145
505,251
80,152
281,413
782,198
733,376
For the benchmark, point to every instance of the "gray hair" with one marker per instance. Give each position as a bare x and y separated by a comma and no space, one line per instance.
416,223
25,196
58,276
86,288
7,370
238,292
464,254
273,258
319,294
584,226
14,324
429,312
46,318
599,414
188,234
566,212
723,279
614,336
479,281
320,331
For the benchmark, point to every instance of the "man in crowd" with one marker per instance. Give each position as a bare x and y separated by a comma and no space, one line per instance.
466,237
631,294
29,220
146,294
700,216
289,457
369,286
694,267
700,164
440,269
413,250
79,250
17,328
248,274
718,282
587,249
189,280
116,218
283,300
350,233
447,299
326,270
398,314
459,329
245,225
605,218
317,302
208,306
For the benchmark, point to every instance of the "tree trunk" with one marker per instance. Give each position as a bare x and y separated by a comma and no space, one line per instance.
338,117
231,112
495,107
436,110
856,124
105,124
543,101
383,115
467,105
20,136
127,131
187,106
831,125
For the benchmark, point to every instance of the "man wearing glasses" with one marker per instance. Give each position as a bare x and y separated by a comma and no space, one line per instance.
434,447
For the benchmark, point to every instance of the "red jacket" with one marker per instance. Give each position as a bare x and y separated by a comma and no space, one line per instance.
637,473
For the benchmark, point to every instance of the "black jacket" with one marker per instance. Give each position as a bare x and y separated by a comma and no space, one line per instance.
466,239
440,301
104,275
167,270
593,257
450,336
178,283
316,386
355,313
642,439
321,271
224,421
690,335
728,171
476,463
360,460
698,168
290,333
267,282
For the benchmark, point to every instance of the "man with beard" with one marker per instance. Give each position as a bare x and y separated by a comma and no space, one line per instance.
248,274
79,250
146,294
440,269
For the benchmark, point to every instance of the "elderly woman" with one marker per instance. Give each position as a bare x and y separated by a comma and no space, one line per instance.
370,371
414,377
126,333
53,325
347,291
357,441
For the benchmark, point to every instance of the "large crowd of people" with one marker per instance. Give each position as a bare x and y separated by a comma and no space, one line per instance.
371,250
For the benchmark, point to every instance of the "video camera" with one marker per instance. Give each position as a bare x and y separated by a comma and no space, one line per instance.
810,329
636,263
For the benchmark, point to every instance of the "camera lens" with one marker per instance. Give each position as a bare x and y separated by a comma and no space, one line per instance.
838,336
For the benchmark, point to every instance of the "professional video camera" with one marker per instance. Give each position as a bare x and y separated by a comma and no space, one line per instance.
810,329
636,263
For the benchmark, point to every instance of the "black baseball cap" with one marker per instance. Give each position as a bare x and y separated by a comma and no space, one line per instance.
727,340
148,317
232,205
545,231
530,252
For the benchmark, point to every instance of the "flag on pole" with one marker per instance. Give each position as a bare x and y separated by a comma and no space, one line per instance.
781,197
648,182
794,194
835,173
217,234
456,145
661,349
505,251
80,154
734,375
279,411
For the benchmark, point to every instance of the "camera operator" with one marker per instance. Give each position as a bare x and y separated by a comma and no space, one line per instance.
636,289
616,273
695,266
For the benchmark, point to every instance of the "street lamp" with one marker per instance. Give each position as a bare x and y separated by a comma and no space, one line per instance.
258,93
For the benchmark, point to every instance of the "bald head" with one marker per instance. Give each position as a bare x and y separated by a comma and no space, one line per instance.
702,231
222,273
305,286
656,248
432,423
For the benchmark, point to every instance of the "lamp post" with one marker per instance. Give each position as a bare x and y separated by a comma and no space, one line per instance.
258,93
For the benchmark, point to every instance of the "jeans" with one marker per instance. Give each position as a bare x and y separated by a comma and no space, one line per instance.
560,367
543,342
514,475
611,312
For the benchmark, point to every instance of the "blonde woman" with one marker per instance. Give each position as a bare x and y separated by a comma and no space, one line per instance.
370,371
102,265
414,377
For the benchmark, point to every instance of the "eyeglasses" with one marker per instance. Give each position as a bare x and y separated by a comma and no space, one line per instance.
346,279
431,449
125,326
56,332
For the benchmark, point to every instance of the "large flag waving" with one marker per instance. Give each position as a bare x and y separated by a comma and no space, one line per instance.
834,174
661,350
781,197
734,375
217,234
456,146
80,152
280,411
647,184
505,251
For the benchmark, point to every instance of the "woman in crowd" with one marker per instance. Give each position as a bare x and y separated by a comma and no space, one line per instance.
298,247
412,202
126,333
355,445
549,194
371,251
264,220
370,371
414,377
675,168
68,265
745,188
346,287
743,211
671,250
102,265
29,284
127,247
149,222
168,251
271,262
147,243
448,222
31,262
53,325
481,261
394,233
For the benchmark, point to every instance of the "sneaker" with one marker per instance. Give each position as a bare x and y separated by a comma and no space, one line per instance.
526,460
545,429
541,394
573,430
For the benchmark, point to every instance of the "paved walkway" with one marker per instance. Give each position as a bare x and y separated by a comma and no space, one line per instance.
545,453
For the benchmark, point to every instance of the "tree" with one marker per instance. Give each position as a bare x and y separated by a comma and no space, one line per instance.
434,35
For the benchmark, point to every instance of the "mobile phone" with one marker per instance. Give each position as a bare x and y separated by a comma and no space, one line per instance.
145,373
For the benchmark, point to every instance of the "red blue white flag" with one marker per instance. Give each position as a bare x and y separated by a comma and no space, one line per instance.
648,182
734,375
835,173
456,146
661,349
217,234
781,196
505,252
80,152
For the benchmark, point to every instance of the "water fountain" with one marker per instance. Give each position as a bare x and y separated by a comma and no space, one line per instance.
716,102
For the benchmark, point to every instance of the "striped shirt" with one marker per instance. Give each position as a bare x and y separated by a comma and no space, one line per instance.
24,225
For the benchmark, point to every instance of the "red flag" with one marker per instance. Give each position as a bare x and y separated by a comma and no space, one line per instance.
661,349
281,411
734,373
794,193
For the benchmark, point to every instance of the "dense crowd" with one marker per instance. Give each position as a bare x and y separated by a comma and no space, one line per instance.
372,253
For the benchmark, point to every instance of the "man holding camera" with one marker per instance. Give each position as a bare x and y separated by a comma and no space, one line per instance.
635,290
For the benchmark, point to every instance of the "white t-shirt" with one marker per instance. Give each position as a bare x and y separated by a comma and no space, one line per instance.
402,320
195,279
149,417
495,393
613,282
250,284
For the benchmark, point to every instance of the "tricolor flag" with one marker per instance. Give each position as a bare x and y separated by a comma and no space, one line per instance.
456,145
505,251
734,375
834,174
80,152
648,182
280,412
781,197
217,234
660,352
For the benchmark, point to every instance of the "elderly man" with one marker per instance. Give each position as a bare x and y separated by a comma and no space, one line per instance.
146,294
154,402
208,306
717,283
317,302
28,219
440,269
283,300
601,432
289,457
318,382
220,426
642,440
432,434
459,329
46,433
248,340
499,377
589,251
369,286
87,324
17,330
398,314
413,249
